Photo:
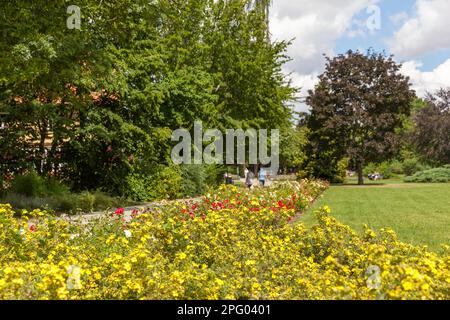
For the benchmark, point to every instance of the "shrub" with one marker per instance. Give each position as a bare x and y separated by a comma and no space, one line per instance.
437,175
67,203
20,201
386,169
396,167
32,191
193,180
163,184
85,201
341,173
2,186
30,185
104,201
55,187
411,166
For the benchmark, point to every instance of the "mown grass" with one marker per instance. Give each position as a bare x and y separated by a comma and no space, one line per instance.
418,213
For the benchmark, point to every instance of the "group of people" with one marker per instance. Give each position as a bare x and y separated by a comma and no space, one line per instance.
249,177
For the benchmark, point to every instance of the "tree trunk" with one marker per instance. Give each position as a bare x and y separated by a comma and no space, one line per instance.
43,136
359,169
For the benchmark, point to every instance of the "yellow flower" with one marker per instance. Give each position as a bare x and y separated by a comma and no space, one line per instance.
181,255
407,285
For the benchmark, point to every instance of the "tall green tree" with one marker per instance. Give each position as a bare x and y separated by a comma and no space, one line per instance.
431,128
97,104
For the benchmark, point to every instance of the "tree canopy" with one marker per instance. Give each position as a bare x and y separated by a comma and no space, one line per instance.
94,105
357,107
431,128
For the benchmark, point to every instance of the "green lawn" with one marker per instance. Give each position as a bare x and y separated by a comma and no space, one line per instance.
419,213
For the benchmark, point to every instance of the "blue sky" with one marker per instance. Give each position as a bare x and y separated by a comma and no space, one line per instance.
377,40
415,31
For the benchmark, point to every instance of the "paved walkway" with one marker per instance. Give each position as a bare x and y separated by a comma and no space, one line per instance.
86,217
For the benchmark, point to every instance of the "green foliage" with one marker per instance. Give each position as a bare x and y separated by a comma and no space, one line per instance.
103,201
389,169
292,147
327,165
411,166
85,201
431,131
20,201
30,185
197,179
164,183
341,173
386,169
32,191
436,175
95,107
357,108
193,182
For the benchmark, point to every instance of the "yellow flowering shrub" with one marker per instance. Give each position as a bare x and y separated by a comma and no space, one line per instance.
233,244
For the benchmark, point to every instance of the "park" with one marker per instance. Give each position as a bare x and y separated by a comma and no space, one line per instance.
121,178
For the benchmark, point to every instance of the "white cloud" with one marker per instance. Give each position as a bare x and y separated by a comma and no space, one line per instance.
427,81
426,32
305,82
399,18
315,25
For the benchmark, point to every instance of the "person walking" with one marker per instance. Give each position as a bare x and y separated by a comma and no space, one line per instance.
249,178
262,176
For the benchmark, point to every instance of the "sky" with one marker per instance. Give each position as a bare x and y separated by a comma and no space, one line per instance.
416,32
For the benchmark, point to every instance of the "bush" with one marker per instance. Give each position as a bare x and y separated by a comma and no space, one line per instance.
163,184
104,201
341,173
32,191
55,187
20,201
437,175
193,182
411,166
2,186
386,169
30,185
396,167
67,203
85,201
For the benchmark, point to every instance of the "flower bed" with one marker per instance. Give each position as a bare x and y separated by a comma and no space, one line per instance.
233,244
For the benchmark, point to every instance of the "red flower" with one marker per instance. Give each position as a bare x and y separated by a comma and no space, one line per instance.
120,211
280,204
33,228
135,212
